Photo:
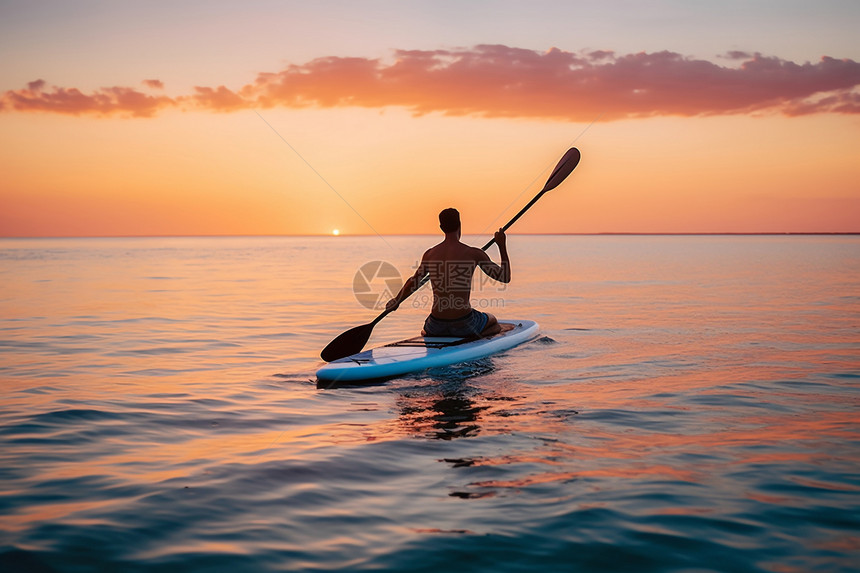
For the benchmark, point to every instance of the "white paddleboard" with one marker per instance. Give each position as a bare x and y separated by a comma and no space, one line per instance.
422,352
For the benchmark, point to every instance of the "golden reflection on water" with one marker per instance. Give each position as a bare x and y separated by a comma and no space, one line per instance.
67,510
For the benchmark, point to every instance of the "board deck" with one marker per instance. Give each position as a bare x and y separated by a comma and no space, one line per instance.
422,352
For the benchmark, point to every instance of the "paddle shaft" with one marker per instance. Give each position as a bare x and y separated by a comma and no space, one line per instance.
514,220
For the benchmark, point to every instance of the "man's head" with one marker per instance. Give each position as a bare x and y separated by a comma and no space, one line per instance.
449,220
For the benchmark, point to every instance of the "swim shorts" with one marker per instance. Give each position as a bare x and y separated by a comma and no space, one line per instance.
470,325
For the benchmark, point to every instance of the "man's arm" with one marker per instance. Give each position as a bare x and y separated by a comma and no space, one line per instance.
501,273
412,284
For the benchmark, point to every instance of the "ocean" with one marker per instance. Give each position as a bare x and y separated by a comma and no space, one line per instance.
691,405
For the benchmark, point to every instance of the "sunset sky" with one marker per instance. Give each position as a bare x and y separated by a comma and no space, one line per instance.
265,117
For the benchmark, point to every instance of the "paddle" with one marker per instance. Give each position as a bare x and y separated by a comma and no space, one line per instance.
354,339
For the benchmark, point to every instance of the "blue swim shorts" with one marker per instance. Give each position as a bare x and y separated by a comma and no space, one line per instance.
470,325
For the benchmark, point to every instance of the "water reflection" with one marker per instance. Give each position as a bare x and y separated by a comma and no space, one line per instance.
445,416
446,405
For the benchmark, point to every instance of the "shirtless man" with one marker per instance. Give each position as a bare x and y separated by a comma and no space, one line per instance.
451,265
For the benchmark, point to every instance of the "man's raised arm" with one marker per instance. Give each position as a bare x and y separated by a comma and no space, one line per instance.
501,273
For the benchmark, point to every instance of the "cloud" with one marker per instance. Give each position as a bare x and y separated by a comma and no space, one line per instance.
71,101
502,81
217,99
154,84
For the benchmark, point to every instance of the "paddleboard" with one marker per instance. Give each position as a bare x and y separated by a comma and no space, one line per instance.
422,352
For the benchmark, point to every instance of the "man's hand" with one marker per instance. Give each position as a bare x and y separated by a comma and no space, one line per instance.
392,305
500,238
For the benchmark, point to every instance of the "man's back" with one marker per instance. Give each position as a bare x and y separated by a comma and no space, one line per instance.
451,265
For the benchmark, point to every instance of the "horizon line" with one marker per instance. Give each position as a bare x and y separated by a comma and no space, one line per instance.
328,235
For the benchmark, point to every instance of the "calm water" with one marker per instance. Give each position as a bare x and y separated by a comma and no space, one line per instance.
691,405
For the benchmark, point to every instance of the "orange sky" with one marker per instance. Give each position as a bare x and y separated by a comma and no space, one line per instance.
739,141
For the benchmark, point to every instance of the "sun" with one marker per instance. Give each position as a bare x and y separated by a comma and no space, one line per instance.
335,232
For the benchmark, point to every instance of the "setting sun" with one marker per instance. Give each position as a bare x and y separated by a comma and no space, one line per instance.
335,232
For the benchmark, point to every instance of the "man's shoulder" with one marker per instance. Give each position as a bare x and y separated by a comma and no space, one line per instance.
431,253
462,252
475,252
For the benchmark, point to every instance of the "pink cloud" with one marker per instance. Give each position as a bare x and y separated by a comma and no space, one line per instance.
501,81
71,101
217,99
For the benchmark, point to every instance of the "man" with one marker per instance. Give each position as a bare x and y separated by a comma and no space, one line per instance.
451,265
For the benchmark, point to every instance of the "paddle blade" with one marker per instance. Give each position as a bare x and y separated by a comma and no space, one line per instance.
348,343
565,166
